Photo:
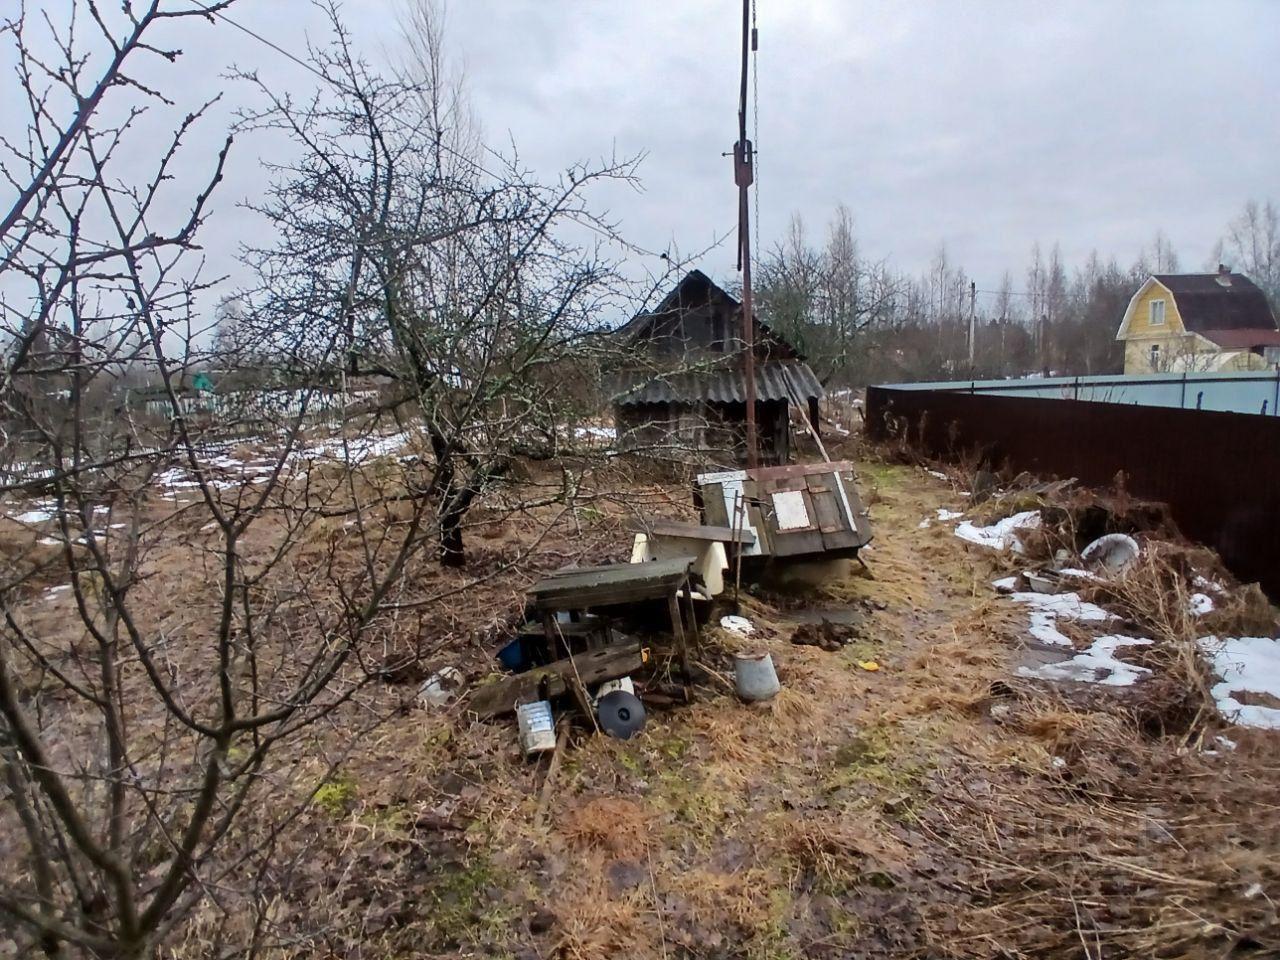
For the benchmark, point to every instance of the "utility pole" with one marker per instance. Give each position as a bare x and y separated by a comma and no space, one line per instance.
743,175
973,311
1044,343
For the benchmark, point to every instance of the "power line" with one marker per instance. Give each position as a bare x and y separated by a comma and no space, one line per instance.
261,39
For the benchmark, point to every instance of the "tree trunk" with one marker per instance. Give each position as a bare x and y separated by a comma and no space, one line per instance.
452,553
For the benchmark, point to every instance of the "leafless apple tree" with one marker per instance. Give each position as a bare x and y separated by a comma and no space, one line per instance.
473,292
173,610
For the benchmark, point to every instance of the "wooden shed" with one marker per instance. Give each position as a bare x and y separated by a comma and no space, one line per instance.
681,392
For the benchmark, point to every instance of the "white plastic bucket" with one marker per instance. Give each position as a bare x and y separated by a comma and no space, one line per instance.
537,727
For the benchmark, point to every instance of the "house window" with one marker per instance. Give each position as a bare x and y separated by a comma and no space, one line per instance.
1157,313
1155,356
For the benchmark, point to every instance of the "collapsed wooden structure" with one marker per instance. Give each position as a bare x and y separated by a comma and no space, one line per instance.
581,626
798,510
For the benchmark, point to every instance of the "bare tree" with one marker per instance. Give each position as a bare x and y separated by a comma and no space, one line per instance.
474,292
213,607
1252,243
825,299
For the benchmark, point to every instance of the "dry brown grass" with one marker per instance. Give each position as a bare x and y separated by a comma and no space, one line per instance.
847,846
615,825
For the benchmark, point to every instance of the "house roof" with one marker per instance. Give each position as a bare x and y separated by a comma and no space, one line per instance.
1242,339
791,380
1218,301
634,329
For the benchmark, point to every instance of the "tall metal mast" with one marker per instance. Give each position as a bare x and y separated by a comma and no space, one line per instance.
743,175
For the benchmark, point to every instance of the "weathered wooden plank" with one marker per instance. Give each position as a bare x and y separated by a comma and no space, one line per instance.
610,575
677,631
830,514
696,531
594,666
713,506
608,596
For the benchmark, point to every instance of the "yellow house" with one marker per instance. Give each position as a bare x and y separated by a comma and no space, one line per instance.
1187,322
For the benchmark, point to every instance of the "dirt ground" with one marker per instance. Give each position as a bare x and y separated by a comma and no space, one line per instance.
904,796
930,806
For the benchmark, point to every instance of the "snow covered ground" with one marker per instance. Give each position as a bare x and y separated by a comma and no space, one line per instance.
1002,535
1245,665
1048,608
1098,664
943,516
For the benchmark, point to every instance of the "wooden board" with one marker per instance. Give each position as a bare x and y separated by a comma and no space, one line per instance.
697,531
838,520
713,507
795,541
594,666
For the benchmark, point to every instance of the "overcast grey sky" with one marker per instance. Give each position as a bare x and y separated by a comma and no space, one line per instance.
983,125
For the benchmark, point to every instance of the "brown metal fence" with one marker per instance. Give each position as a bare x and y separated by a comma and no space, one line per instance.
1219,472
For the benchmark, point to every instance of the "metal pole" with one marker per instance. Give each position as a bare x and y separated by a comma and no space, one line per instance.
973,312
743,176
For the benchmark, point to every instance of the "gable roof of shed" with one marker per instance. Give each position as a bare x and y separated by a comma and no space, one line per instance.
635,329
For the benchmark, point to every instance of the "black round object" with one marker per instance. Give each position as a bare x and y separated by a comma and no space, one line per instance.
621,714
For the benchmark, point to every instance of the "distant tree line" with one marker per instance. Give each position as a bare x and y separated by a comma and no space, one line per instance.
860,321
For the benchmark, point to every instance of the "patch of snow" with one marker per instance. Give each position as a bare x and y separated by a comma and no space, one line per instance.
1204,583
1002,535
1200,604
1046,608
739,625
1099,664
1006,584
1245,665
943,515
59,588
356,449
938,474
595,433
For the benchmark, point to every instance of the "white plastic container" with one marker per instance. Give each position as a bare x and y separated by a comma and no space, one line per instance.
624,684
537,727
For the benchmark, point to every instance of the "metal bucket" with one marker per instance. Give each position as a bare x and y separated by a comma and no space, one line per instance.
754,676
537,727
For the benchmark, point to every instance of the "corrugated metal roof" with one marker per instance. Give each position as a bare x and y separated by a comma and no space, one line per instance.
776,380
